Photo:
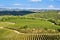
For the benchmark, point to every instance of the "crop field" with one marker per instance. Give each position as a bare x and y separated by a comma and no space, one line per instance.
34,26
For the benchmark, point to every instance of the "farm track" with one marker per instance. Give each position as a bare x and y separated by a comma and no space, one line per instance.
30,34
11,30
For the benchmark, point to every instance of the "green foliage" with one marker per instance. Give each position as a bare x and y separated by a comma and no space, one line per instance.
38,23
17,23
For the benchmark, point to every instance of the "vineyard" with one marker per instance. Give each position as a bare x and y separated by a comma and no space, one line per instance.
32,26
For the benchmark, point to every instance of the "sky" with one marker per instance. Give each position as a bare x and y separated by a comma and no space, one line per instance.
30,4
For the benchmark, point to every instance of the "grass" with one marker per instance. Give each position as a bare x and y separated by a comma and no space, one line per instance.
6,34
43,23
17,23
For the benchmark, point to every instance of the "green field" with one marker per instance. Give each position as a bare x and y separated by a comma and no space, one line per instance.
11,27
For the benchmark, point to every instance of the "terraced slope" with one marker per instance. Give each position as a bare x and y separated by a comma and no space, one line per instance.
27,25
37,26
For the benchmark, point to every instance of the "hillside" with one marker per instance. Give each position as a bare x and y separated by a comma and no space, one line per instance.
16,27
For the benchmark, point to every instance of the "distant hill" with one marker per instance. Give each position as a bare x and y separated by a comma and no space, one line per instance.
15,12
4,11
